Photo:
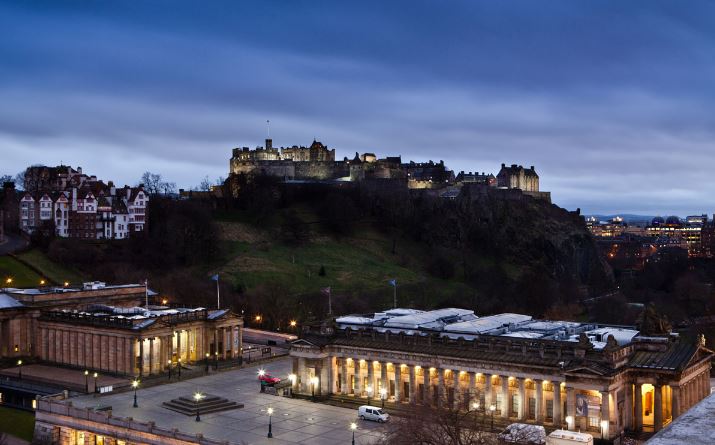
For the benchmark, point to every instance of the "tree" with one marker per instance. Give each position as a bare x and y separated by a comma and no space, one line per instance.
426,425
205,184
154,184
6,178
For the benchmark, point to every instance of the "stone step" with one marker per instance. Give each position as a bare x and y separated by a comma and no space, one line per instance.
209,404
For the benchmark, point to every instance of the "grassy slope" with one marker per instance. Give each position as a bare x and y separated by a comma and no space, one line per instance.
55,272
18,423
22,276
362,261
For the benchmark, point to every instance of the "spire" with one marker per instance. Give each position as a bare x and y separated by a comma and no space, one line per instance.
268,124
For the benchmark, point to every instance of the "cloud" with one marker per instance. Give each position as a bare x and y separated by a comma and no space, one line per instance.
611,102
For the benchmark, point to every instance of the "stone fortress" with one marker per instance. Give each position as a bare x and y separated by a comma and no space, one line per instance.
317,163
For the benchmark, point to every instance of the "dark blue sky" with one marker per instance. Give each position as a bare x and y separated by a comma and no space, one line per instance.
611,101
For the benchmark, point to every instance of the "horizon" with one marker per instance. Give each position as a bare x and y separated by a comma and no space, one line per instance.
610,102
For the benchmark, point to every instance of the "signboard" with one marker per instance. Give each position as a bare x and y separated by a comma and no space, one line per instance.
104,389
265,351
587,403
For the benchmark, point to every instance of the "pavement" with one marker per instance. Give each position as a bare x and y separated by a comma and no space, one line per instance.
63,377
293,421
12,440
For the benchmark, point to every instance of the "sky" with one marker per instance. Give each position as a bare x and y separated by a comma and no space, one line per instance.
612,102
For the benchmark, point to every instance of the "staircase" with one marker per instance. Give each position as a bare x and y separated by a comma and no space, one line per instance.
209,404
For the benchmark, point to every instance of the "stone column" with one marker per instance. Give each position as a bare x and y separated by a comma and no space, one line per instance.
522,399
571,406
455,384
329,377
151,355
440,386
504,396
302,376
358,382
413,381
178,345
638,398
383,380
223,352
473,396
371,377
344,376
675,401
488,399
557,405
398,382
426,387
605,412
539,396
141,357
658,407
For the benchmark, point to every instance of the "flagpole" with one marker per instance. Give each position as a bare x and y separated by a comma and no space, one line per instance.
218,294
330,302
394,296
146,293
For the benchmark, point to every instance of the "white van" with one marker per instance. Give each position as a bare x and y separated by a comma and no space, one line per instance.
367,412
563,437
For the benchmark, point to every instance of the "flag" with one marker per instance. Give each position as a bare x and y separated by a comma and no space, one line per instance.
215,277
393,282
325,290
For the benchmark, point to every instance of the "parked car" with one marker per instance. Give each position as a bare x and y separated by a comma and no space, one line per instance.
367,412
267,379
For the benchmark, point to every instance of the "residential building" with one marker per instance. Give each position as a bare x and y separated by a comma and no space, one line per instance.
579,376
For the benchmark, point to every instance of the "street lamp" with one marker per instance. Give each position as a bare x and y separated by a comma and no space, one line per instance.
604,428
135,385
179,366
293,323
368,390
86,381
207,362
353,427
216,361
19,369
95,375
492,408
168,365
568,419
270,426
475,407
8,280
198,396
313,383
383,396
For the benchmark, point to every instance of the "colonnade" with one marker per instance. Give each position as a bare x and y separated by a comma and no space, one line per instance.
512,397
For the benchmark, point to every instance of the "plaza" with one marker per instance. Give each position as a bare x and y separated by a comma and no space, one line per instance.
293,420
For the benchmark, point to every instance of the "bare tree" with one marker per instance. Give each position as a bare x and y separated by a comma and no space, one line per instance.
205,184
155,185
426,425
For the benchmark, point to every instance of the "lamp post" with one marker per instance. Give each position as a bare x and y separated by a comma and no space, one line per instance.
216,361
383,396
86,381
19,369
168,365
270,425
604,428
492,408
207,362
198,396
313,383
568,420
368,390
95,375
475,407
293,378
353,427
135,385
179,366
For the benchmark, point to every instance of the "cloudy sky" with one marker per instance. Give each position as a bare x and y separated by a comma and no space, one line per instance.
611,101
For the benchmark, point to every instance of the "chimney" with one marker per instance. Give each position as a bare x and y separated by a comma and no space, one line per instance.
503,165
532,167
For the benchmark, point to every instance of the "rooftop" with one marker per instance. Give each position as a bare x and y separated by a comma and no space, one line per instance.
696,426
456,323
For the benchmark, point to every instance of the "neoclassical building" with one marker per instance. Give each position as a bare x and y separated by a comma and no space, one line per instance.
579,376
112,329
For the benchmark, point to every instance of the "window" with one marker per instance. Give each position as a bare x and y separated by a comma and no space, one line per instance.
550,410
514,405
594,422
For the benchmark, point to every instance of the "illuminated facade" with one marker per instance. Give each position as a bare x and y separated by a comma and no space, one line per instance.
578,376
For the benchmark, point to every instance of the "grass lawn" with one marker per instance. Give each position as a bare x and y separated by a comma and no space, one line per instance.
51,270
18,423
22,276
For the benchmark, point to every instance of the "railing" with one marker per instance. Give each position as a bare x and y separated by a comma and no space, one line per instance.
87,319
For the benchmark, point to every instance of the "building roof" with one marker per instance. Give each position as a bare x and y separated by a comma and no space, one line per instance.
7,302
675,357
694,427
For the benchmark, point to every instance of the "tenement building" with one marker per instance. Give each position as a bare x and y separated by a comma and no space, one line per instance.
112,329
579,376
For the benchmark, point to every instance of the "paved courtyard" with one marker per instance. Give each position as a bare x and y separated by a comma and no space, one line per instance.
294,421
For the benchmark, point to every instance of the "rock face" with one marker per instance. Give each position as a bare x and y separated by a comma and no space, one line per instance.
503,227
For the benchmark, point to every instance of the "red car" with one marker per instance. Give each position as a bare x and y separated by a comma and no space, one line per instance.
267,379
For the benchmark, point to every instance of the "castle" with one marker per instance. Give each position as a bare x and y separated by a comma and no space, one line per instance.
317,163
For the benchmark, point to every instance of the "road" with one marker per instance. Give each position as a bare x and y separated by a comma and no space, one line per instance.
12,244
294,421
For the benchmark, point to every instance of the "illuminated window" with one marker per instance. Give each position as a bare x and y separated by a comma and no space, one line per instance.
34,404
80,437
99,440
